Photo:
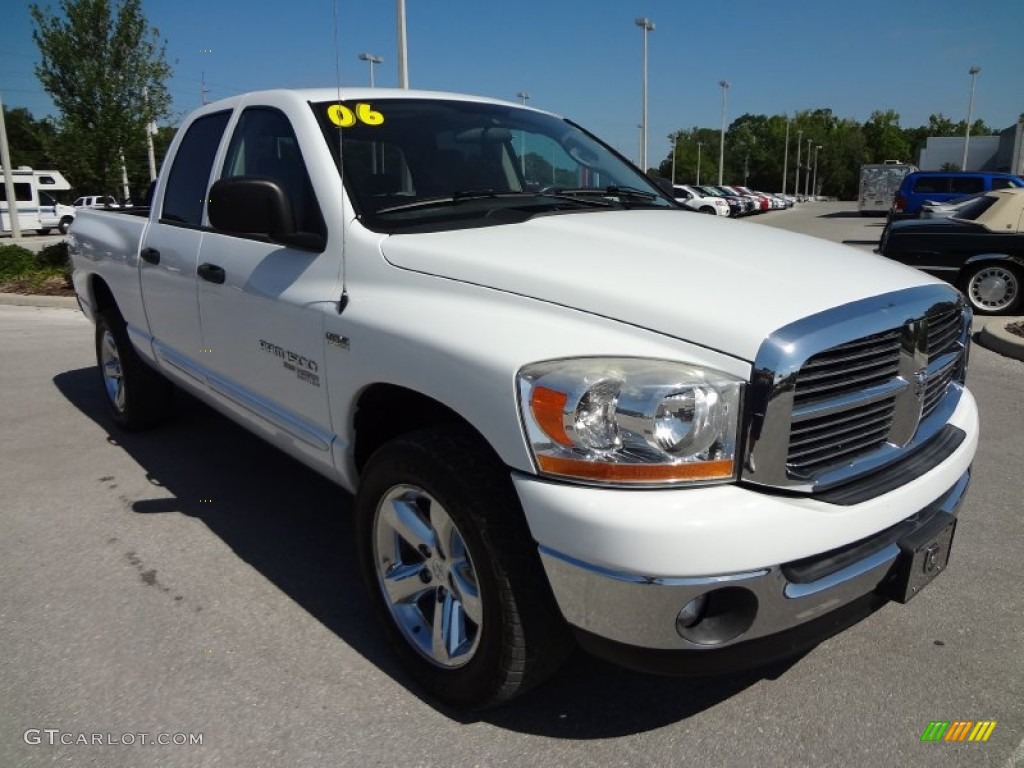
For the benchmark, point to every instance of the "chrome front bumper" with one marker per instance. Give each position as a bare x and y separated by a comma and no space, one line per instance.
641,611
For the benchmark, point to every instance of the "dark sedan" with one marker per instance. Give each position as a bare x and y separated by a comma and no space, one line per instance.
981,251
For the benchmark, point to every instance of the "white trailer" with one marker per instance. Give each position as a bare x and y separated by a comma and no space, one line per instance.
28,184
878,185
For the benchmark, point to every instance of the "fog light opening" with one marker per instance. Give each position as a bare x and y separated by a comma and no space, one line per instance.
717,617
691,613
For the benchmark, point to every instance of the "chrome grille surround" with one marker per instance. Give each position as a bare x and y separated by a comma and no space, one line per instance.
849,390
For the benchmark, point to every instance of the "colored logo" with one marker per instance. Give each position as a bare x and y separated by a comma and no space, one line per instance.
958,730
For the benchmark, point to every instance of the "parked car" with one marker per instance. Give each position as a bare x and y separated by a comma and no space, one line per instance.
566,412
697,200
737,205
752,204
920,187
54,215
981,251
96,201
958,208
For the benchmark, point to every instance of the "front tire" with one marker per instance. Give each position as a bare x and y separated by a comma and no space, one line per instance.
453,572
138,397
65,225
993,289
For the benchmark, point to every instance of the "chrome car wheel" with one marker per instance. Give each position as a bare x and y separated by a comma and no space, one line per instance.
993,288
110,367
427,577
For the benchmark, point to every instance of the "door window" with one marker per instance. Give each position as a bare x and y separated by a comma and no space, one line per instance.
189,178
264,145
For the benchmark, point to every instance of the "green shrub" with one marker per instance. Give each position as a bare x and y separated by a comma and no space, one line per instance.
16,261
55,255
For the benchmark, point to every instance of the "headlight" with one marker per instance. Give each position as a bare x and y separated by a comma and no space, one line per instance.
628,421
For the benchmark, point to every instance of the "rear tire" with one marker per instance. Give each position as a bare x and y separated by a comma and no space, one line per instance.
453,572
993,289
138,397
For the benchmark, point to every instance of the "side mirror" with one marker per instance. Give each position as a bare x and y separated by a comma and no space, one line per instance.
252,205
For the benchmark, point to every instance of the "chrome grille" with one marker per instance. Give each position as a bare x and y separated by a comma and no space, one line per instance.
849,368
852,427
852,389
823,442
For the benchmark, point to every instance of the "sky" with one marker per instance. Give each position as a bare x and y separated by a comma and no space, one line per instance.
584,58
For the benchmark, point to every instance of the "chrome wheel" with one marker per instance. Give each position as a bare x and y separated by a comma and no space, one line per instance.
113,375
427,577
993,288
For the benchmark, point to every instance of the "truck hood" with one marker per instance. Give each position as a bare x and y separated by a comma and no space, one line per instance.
718,283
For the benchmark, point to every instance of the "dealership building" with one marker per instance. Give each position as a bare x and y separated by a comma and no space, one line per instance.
1003,152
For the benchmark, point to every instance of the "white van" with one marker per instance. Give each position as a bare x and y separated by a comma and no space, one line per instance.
35,213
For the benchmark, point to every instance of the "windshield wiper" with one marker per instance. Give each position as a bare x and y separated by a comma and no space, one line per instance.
612,190
463,195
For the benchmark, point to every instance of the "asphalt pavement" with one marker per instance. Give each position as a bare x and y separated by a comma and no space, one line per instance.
192,583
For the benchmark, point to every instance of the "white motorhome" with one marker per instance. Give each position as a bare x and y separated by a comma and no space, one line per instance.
35,213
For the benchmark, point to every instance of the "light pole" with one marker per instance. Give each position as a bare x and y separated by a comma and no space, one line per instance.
796,178
371,59
814,185
973,72
807,180
403,48
785,158
699,145
647,26
721,143
674,138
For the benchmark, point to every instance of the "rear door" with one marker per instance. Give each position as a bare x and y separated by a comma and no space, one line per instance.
170,250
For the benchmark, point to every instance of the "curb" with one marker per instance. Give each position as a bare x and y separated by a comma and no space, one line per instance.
994,336
31,300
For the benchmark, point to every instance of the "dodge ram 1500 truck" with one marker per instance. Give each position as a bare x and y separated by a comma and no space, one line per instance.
569,412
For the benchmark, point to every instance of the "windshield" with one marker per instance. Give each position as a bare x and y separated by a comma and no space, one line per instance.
434,164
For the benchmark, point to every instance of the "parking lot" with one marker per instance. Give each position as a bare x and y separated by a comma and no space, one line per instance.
194,581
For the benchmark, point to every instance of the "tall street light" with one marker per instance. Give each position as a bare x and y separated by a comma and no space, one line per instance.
699,145
799,146
674,138
403,47
785,158
807,181
371,59
973,72
721,143
814,185
647,26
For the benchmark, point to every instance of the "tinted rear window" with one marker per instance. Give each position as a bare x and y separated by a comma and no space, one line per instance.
967,185
931,184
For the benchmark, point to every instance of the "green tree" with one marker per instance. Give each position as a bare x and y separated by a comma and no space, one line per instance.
28,138
884,139
98,59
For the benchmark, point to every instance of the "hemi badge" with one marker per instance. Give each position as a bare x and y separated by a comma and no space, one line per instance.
341,342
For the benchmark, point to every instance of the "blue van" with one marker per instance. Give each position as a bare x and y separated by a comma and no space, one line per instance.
920,187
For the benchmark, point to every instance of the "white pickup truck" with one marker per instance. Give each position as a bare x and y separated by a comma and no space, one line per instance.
569,412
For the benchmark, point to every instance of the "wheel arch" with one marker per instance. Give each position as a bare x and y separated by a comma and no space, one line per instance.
982,258
383,412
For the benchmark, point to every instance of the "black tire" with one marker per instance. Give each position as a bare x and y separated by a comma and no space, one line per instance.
993,288
483,569
138,397
65,225
709,209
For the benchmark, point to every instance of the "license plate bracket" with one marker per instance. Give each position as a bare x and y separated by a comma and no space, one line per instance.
924,554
